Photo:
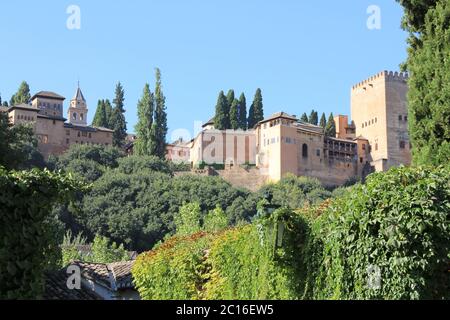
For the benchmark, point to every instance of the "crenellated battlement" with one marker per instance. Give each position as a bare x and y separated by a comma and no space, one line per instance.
388,75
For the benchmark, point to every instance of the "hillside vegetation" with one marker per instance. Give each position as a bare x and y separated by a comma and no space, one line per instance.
387,239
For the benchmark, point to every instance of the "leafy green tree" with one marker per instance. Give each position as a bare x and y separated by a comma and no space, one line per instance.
117,121
234,115
160,119
145,144
242,112
221,119
314,118
216,220
5,104
429,84
70,248
22,95
323,121
330,129
415,13
105,252
108,113
256,112
100,115
187,220
304,118
18,145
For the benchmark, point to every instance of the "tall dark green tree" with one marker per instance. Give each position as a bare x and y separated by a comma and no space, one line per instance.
100,115
330,129
117,121
429,84
221,117
242,112
256,112
22,95
234,115
323,120
108,113
314,118
145,144
304,118
160,120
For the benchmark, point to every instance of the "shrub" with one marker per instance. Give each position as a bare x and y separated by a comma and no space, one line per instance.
174,270
27,241
396,224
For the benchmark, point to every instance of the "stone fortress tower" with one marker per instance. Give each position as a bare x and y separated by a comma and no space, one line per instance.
380,113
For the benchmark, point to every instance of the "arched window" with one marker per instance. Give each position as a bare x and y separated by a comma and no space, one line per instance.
74,116
81,116
305,151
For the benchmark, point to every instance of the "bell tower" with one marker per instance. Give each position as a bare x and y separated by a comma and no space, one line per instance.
78,109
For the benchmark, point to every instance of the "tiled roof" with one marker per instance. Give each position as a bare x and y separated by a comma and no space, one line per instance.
279,115
56,288
23,106
113,276
79,95
48,94
209,123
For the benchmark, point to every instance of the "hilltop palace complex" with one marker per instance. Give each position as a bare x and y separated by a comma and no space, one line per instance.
375,139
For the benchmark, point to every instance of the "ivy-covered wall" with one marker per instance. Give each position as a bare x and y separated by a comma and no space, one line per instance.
27,241
386,239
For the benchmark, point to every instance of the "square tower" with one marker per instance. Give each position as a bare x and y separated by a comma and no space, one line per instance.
380,113
78,109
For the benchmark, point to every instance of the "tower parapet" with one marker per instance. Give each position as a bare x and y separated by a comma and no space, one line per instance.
388,75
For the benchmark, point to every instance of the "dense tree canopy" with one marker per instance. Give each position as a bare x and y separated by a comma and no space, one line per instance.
429,88
22,95
117,121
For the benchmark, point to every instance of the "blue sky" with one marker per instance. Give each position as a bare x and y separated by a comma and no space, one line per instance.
302,54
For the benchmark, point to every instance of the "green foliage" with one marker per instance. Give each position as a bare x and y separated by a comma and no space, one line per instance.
330,128
136,164
234,115
215,221
28,246
256,112
22,95
174,270
429,90
222,116
397,222
117,121
18,146
304,118
296,192
323,121
415,13
242,112
314,118
160,121
101,250
187,220
145,144
100,118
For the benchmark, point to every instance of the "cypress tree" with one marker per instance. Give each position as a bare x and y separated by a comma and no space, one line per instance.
22,95
100,115
242,112
323,121
314,118
234,115
108,114
429,83
118,122
330,129
256,112
160,123
220,119
144,144
304,118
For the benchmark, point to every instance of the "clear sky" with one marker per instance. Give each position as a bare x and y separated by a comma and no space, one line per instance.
302,54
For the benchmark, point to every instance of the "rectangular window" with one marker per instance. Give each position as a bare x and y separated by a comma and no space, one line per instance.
67,132
67,141
84,134
318,152
402,145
